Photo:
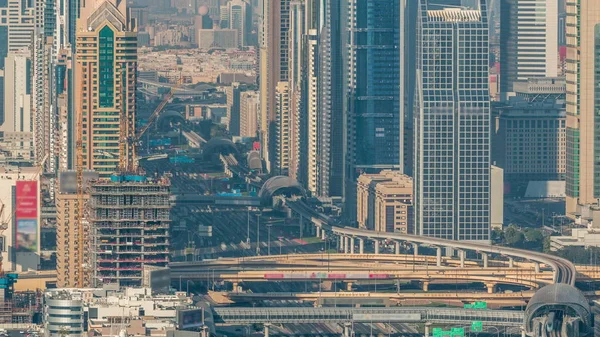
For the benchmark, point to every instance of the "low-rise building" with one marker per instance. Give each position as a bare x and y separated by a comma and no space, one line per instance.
385,202
111,311
63,313
580,237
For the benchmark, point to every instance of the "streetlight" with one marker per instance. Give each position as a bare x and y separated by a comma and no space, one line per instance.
187,285
258,233
248,232
269,238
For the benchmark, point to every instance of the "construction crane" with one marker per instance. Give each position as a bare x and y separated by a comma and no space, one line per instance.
126,163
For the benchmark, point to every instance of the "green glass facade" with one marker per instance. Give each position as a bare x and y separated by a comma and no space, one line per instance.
106,66
573,142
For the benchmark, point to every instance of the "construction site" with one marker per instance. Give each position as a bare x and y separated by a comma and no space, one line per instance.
129,228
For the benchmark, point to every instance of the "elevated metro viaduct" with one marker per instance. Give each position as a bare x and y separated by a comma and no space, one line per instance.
546,314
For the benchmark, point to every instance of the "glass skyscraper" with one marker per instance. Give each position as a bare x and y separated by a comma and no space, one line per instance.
452,123
372,101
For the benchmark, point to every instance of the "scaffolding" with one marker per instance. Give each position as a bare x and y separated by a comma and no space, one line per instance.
130,223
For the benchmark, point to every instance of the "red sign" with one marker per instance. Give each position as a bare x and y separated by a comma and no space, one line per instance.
26,200
256,146
337,276
378,276
267,276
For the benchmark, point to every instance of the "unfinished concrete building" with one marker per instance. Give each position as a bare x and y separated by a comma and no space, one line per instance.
129,219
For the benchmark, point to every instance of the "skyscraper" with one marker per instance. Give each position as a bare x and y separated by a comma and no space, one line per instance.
583,93
373,106
105,82
17,25
233,108
451,119
528,40
240,18
17,128
274,50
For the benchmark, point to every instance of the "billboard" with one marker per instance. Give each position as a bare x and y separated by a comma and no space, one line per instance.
26,216
189,318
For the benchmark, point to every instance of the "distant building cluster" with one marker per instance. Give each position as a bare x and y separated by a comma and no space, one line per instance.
110,311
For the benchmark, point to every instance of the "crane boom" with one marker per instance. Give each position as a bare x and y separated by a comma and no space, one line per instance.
132,141
158,109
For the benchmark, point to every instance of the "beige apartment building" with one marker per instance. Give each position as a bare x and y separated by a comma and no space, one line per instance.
68,255
583,91
385,202
105,83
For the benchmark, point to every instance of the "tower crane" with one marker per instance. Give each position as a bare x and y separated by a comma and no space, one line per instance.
130,164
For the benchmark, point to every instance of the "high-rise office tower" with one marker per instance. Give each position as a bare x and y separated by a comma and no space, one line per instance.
239,15
17,128
331,93
282,128
452,123
274,50
583,94
105,82
249,109
528,40
296,84
233,108
373,106
17,25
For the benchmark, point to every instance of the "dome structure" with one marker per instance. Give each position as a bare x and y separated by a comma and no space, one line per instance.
203,10
219,145
280,185
254,162
559,303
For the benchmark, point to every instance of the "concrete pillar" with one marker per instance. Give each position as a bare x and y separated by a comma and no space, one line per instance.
461,253
523,332
340,243
323,234
347,329
349,286
317,232
416,249
234,286
397,247
376,246
427,324
511,262
425,286
361,245
490,287
485,259
537,267
352,245
266,328
438,256
346,244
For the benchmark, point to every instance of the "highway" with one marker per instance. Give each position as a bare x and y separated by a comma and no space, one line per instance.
564,271
365,315
354,267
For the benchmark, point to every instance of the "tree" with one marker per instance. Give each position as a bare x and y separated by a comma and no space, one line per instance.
497,235
534,235
513,237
